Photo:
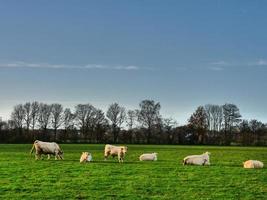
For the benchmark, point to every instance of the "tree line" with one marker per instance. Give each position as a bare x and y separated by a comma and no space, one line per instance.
209,124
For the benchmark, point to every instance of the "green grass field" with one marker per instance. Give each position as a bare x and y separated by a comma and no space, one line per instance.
21,177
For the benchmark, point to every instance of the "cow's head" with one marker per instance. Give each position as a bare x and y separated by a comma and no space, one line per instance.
124,149
84,156
61,154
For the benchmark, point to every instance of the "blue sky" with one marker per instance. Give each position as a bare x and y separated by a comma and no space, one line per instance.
180,53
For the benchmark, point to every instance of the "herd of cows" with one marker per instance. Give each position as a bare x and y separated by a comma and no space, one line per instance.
52,148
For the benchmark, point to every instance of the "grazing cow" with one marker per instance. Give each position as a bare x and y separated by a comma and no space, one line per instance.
253,164
148,157
112,150
86,157
202,159
46,148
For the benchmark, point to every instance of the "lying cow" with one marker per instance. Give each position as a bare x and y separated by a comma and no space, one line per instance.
253,164
148,157
202,159
85,157
112,150
46,148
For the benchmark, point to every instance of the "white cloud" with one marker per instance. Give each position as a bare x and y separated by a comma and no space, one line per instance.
216,68
21,64
131,67
261,62
221,62
221,65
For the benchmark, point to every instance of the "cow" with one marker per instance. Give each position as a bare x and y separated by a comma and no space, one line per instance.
202,159
253,164
46,148
112,150
148,157
85,157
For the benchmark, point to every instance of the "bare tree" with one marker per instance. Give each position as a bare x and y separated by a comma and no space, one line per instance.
68,119
256,128
148,116
27,108
11,124
34,113
57,117
90,118
18,116
2,124
232,117
81,113
116,114
255,125
217,113
99,117
209,118
100,122
169,124
44,116
84,115
214,114
198,121
131,118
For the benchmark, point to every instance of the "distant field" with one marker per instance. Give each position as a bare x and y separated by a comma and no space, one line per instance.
21,177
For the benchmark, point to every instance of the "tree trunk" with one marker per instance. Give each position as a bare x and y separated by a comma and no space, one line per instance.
55,134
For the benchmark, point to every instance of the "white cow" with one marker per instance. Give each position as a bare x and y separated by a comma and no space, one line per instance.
86,157
46,148
253,164
148,157
202,159
112,150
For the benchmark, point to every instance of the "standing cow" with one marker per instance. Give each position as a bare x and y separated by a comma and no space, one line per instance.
112,150
46,148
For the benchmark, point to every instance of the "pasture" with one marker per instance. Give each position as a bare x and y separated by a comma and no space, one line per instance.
21,177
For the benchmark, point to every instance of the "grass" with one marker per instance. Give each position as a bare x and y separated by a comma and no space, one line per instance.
21,177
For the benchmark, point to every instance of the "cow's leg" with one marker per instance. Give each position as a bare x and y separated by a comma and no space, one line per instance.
56,155
204,162
37,156
48,156
120,158
106,155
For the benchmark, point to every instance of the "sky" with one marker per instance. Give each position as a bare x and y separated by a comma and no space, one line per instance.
182,54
